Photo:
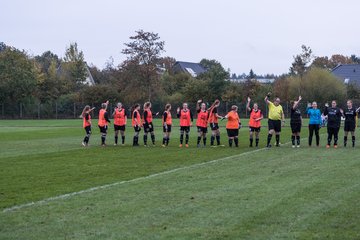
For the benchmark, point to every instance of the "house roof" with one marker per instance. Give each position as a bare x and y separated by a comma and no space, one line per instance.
349,73
192,68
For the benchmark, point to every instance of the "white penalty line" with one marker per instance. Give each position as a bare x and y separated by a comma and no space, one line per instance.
93,189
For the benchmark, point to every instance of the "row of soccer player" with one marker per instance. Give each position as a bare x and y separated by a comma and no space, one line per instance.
210,116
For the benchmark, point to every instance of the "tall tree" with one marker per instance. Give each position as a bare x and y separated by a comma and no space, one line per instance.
143,53
301,61
74,65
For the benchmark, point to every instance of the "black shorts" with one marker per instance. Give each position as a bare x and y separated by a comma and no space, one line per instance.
214,126
137,128
295,127
185,129
167,128
254,129
349,126
103,129
275,125
119,128
88,130
232,132
202,129
148,127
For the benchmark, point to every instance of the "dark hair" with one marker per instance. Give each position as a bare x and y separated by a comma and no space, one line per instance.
167,106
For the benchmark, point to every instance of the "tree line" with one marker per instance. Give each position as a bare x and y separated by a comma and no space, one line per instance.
147,75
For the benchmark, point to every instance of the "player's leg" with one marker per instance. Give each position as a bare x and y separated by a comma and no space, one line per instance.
122,133
311,133
257,137
251,137
346,133
217,136
336,136
187,132
353,138
204,136
317,134
116,135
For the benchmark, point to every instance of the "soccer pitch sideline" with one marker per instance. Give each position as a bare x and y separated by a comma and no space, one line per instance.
172,193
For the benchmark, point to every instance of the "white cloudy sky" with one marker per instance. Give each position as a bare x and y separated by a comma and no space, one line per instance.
258,34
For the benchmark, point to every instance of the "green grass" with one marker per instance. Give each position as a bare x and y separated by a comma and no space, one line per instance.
282,193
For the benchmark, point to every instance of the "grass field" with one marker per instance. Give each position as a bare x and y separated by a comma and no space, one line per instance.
172,193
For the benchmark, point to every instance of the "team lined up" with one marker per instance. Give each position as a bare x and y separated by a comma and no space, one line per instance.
210,117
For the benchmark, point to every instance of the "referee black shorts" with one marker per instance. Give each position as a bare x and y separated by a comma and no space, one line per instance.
275,125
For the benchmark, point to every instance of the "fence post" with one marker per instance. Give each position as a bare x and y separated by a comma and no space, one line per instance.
39,108
74,110
21,114
56,110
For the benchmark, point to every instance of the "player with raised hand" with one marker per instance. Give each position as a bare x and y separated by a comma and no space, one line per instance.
186,119
350,122
276,119
214,123
136,123
167,123
201,122
296,123
333,114
256,116
85,115
103,122
120,119
315,122
233,125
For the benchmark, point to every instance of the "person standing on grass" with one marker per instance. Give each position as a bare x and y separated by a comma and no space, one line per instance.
103,122
255,122
276,120
86,124
350,122
296,123
214,123
120,119
148,124
201,122
315,122
167,123
233,125
136,123
333,114
186,119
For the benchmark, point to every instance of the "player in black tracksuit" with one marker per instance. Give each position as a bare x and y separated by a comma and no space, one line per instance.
334,121
296,123
350,122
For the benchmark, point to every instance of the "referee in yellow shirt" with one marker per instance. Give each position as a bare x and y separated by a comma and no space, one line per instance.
276,120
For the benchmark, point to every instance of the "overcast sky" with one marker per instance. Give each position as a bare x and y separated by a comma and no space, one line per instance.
259,34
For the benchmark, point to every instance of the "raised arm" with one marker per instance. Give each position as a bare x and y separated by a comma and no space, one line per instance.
248,104
267,101
296,103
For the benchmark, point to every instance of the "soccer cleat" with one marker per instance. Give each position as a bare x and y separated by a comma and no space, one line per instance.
293,146
145,145
84,144
298,146
269,146
163,145
187,145
115,144
199,146
335,146
327,146
180,145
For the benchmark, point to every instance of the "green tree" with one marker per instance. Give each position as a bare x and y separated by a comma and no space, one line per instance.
143,56
18,75
301,61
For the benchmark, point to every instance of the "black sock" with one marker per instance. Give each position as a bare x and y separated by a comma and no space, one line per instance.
317,140
230,142
181,138
164,140
353,141
187,138
86,139
204,141
269,139
257,142
298,140
167,141
236,140
145,139
345,140
277,137
292,140
137,141
153,139
212,139
102,139
218,140
251,142
134,141
198,140
116,139
123,139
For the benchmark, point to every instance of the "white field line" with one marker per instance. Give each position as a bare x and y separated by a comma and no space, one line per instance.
68,195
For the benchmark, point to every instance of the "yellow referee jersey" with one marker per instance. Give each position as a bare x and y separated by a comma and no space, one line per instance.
275,112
